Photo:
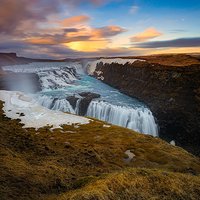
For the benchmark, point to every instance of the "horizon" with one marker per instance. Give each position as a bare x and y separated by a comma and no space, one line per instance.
93,28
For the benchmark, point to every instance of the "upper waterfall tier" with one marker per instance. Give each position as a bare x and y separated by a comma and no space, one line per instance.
51,75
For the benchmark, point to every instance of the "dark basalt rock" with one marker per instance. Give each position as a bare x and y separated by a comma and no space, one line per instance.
72,100
171,92
87,97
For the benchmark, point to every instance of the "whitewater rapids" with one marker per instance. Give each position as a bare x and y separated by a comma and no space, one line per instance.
69,79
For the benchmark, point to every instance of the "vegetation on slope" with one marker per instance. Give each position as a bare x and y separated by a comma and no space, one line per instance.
89,162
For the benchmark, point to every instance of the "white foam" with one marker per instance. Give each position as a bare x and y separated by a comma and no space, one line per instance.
52,75
138,119
34,115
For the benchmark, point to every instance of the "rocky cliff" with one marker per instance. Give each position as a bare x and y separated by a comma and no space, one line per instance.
170,86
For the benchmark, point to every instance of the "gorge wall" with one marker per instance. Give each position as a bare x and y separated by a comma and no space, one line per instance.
170,86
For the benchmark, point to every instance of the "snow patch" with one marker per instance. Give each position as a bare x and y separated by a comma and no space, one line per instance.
173,143
20,106
130,156
106,126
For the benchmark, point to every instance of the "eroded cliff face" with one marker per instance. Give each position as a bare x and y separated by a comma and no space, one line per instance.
171,92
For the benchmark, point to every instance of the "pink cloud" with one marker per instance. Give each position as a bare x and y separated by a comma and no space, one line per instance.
146,35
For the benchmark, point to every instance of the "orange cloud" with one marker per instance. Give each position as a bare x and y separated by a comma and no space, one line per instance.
107,31
87,46
148,34
94,38
49,41
76,20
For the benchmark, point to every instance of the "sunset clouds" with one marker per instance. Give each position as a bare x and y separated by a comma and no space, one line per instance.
61,28
148,34
75,20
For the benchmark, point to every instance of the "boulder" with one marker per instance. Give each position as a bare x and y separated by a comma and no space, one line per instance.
72,100
85,101
86,98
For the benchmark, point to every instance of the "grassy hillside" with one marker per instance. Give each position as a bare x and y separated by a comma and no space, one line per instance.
89,162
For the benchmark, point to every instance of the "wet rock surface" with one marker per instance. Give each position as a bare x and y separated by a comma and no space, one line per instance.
84,103
86,98
72,100
172,93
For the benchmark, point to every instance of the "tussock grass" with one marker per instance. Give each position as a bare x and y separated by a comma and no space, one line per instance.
139,184
88,162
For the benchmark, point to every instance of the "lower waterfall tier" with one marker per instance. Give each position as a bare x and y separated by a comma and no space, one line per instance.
139,119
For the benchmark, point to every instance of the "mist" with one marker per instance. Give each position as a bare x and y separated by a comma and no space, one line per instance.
24,82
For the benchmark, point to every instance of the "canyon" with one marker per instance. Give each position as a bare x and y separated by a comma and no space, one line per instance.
49,152
169,85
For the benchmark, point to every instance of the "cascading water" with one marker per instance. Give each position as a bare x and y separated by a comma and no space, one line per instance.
51,75
77,108
56,104
138,119
61,81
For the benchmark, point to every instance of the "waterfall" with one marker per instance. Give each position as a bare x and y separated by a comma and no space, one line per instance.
138,119
59,75
51,75
77,106
55,104
63,105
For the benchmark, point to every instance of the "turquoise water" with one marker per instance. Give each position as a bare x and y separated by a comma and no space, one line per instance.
90,84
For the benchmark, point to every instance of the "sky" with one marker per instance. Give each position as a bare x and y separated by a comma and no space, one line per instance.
93,28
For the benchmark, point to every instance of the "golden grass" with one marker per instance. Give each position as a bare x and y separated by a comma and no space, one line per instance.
86,160
135,184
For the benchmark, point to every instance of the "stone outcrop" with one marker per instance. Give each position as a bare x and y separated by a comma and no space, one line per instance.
172,91
72,100
86,98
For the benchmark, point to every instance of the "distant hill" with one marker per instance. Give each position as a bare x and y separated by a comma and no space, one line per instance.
13,59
